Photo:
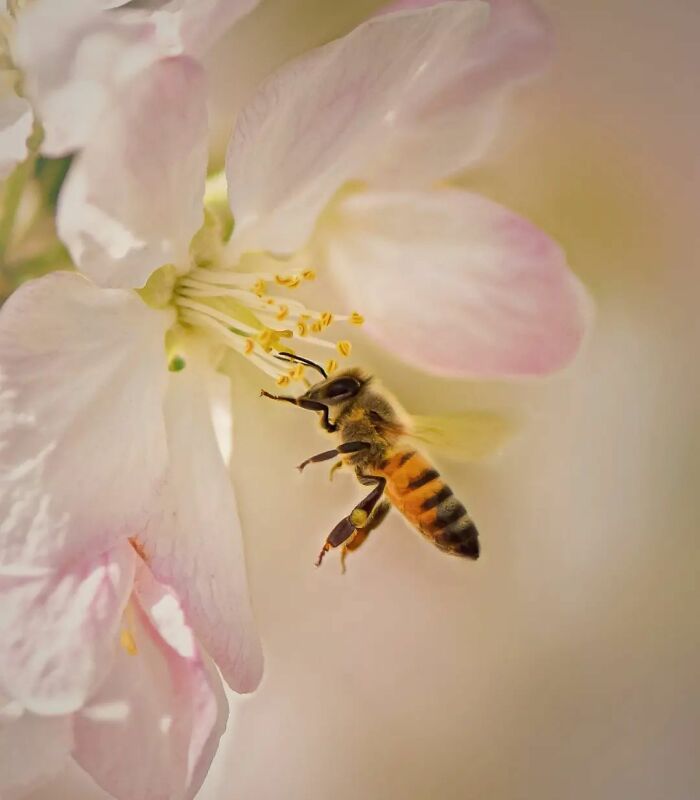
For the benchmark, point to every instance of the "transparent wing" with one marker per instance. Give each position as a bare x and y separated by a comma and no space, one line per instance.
467,436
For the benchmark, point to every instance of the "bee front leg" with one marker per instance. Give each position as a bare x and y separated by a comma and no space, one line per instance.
357,518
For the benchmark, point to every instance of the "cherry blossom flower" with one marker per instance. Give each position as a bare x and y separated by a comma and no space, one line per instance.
65,62
107,378
152,726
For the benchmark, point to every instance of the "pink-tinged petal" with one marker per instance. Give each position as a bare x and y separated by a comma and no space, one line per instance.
153,727
74,57
83,374
133,197
456,284
326,117
32,749
194,544
57,630
447,130
16,120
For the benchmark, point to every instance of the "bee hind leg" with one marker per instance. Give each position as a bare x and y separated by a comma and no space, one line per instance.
357,519
355,542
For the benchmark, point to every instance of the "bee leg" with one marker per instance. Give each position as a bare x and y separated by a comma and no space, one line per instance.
357,518
347,447
334,469
309,405
355,542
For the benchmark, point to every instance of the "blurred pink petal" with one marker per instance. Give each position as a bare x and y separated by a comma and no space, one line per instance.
194,541
82,437
445,132
133,197
32,749
328,116
457,284
57,630
16,120
152,729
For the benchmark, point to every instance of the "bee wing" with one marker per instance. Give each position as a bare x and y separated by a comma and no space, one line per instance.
467,436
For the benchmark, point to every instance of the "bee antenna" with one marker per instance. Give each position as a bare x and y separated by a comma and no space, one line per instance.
301,360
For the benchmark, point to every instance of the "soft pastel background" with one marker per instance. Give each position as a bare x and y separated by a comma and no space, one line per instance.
566,662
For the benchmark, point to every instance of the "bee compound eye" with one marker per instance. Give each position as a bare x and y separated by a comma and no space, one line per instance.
343,387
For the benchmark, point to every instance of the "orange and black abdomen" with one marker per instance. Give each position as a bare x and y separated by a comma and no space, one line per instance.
415,487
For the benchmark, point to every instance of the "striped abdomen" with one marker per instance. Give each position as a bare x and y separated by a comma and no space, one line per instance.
414,486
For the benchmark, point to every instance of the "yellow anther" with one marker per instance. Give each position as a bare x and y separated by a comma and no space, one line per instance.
326,318
269,301
249,346
282,313
127,642
285,334
290,281
297,374
317,326
308,275
344,348
331,365
282,380
356,319
260,287
302,329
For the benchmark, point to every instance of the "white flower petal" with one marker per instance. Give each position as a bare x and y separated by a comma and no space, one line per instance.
57,631
456,284
74,57
16,120
152,729
194,544
82,438
32,749
133,198
443,133
329,115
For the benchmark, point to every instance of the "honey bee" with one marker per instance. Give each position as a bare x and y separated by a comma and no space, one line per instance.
374,436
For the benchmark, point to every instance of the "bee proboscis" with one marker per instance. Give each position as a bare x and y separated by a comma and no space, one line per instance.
374,441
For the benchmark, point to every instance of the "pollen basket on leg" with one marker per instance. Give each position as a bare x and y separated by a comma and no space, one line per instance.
255,314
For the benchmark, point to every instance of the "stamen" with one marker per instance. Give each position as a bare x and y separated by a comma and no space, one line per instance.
308,275
344,348
356,319
249,346
331,366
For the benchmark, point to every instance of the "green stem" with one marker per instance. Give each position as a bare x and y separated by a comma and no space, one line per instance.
14,187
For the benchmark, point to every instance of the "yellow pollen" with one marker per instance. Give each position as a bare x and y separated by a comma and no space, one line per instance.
260,287
326,318
249,346
297,374
282,313
127,642
302,330
317,326
344,348
308,275
290,281
282,380
331,365
356,319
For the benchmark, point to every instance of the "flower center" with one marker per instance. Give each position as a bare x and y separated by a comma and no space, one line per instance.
253,314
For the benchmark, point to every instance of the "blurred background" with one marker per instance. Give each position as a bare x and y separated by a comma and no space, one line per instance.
565,663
